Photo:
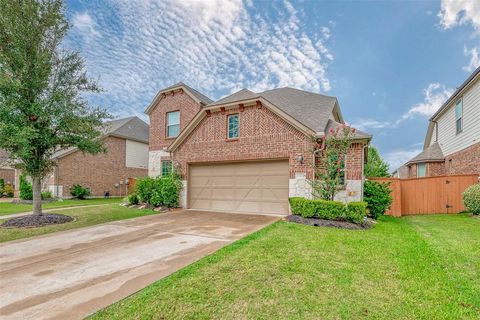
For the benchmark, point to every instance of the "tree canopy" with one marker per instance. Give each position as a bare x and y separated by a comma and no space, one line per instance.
375,166
42,89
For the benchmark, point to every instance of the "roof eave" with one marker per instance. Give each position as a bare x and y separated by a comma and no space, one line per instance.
158,97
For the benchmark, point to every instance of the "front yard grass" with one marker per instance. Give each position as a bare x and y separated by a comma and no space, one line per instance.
10,208
83,217
419,267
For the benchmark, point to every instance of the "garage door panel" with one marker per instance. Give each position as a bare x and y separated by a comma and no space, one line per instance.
253,187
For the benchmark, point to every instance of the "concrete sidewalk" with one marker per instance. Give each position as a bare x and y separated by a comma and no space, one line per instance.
13,215
70,274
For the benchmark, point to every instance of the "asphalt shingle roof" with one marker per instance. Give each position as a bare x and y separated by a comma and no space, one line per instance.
430,154
200,96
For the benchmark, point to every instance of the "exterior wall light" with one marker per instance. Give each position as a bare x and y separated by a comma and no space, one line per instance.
300,159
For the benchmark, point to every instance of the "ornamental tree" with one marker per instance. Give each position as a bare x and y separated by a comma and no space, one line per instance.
375,166
330,154
42,108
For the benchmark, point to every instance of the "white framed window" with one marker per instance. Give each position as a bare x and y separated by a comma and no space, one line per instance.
459,115
232,126
421,170
173,124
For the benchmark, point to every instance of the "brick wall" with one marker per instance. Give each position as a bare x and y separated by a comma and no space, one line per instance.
98,172
262,135
435,169
464,161
179,100
7,175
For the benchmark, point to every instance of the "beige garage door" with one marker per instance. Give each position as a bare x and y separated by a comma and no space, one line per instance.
252,187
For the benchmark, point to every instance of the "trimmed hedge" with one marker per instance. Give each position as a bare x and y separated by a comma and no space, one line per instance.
160,191
329,210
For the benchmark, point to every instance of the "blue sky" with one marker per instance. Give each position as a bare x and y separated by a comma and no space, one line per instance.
391,64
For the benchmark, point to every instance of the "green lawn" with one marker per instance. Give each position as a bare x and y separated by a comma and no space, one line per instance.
10,208
419,267
83,217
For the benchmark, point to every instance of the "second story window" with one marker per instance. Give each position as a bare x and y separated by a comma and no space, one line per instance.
232,129
459,115
173,124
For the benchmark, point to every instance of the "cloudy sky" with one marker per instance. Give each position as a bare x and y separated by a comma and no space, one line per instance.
391,64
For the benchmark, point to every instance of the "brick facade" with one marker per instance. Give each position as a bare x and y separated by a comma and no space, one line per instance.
464,161
262,135
178,101
98,172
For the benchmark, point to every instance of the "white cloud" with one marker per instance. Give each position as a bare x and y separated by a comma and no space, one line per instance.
366,124
84,23
434,96
460,12
474,59
399,157
215,46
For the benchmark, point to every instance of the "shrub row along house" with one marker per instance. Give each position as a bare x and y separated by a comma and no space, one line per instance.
247,152
452,143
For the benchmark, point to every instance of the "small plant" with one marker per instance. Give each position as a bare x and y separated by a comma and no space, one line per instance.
79,192
377,196
132,199
160,191
471,198
8,191
46,195
26,192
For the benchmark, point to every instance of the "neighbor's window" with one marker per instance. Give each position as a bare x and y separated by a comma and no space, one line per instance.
173,124
166,167
459,115
232,126
421,170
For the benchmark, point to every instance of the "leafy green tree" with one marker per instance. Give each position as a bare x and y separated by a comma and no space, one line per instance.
375,166
42,87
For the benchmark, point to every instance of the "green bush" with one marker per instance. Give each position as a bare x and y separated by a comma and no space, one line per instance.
26,192
2,186
8,191
377,196
46,195
132,199
79,192
328,210
471,198
356,212
160,191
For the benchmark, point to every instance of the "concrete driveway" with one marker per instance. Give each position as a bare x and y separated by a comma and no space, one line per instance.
68,275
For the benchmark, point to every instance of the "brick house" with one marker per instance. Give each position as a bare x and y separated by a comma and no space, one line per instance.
7,173
126,141
452,143
247,152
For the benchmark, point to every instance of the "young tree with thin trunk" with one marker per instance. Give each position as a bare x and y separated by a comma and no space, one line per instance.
375,166
41,85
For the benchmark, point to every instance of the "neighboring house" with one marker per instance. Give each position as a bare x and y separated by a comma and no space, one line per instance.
452,143
247,152
126,141
7,173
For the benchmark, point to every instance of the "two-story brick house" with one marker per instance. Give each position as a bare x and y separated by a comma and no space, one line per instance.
247,152
452,143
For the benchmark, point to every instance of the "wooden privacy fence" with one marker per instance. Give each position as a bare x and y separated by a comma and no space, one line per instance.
430,195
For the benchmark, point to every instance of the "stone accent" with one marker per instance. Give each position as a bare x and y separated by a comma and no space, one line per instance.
353,192
300,186
183,195
155,162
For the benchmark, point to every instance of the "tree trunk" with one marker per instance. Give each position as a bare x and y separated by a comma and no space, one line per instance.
37,195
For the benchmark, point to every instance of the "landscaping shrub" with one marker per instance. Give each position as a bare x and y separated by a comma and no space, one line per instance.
328,210
46,195
8,191
2,185
160,191
356,212
132,199
471,198
377,196
26,191
79,192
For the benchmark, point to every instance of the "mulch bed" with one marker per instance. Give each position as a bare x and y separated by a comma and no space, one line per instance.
32,221
331,223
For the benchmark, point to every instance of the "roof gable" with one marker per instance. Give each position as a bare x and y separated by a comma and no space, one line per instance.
431,154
